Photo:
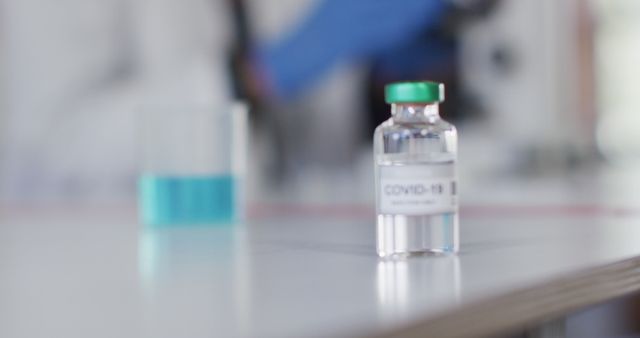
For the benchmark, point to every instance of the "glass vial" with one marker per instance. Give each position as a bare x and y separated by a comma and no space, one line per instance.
415,154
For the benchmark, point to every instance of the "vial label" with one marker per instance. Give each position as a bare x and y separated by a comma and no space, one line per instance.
417,189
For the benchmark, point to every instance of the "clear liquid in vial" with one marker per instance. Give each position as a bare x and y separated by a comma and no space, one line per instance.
412,232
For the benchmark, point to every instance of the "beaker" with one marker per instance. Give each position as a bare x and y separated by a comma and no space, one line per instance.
192,169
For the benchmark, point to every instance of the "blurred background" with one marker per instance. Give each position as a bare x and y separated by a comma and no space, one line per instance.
543,93
537,88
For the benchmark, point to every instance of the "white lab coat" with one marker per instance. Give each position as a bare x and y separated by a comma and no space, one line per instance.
73,73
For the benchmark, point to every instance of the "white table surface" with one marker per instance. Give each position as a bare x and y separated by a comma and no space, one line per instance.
310,271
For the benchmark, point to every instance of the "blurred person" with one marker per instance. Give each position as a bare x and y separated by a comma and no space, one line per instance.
75,72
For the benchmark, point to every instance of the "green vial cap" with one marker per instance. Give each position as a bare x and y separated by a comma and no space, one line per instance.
414,92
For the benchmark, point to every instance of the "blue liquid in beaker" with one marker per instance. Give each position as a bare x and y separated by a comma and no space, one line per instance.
167,200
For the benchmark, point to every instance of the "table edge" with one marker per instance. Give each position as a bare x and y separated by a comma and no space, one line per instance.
534,304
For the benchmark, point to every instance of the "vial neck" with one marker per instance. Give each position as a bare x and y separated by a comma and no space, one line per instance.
415,112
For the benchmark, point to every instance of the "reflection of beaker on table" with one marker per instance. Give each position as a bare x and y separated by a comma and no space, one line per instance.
192,274
192,164
186,252
405,284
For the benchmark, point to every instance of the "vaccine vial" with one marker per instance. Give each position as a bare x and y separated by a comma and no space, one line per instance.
415,155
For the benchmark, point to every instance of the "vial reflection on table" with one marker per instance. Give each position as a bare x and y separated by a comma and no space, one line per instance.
405,284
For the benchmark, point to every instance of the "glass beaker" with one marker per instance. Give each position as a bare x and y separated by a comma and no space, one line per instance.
192,164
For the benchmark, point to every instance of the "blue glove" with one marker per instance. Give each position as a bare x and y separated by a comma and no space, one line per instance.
343,30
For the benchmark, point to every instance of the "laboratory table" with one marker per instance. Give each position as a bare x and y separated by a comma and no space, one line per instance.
306,271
